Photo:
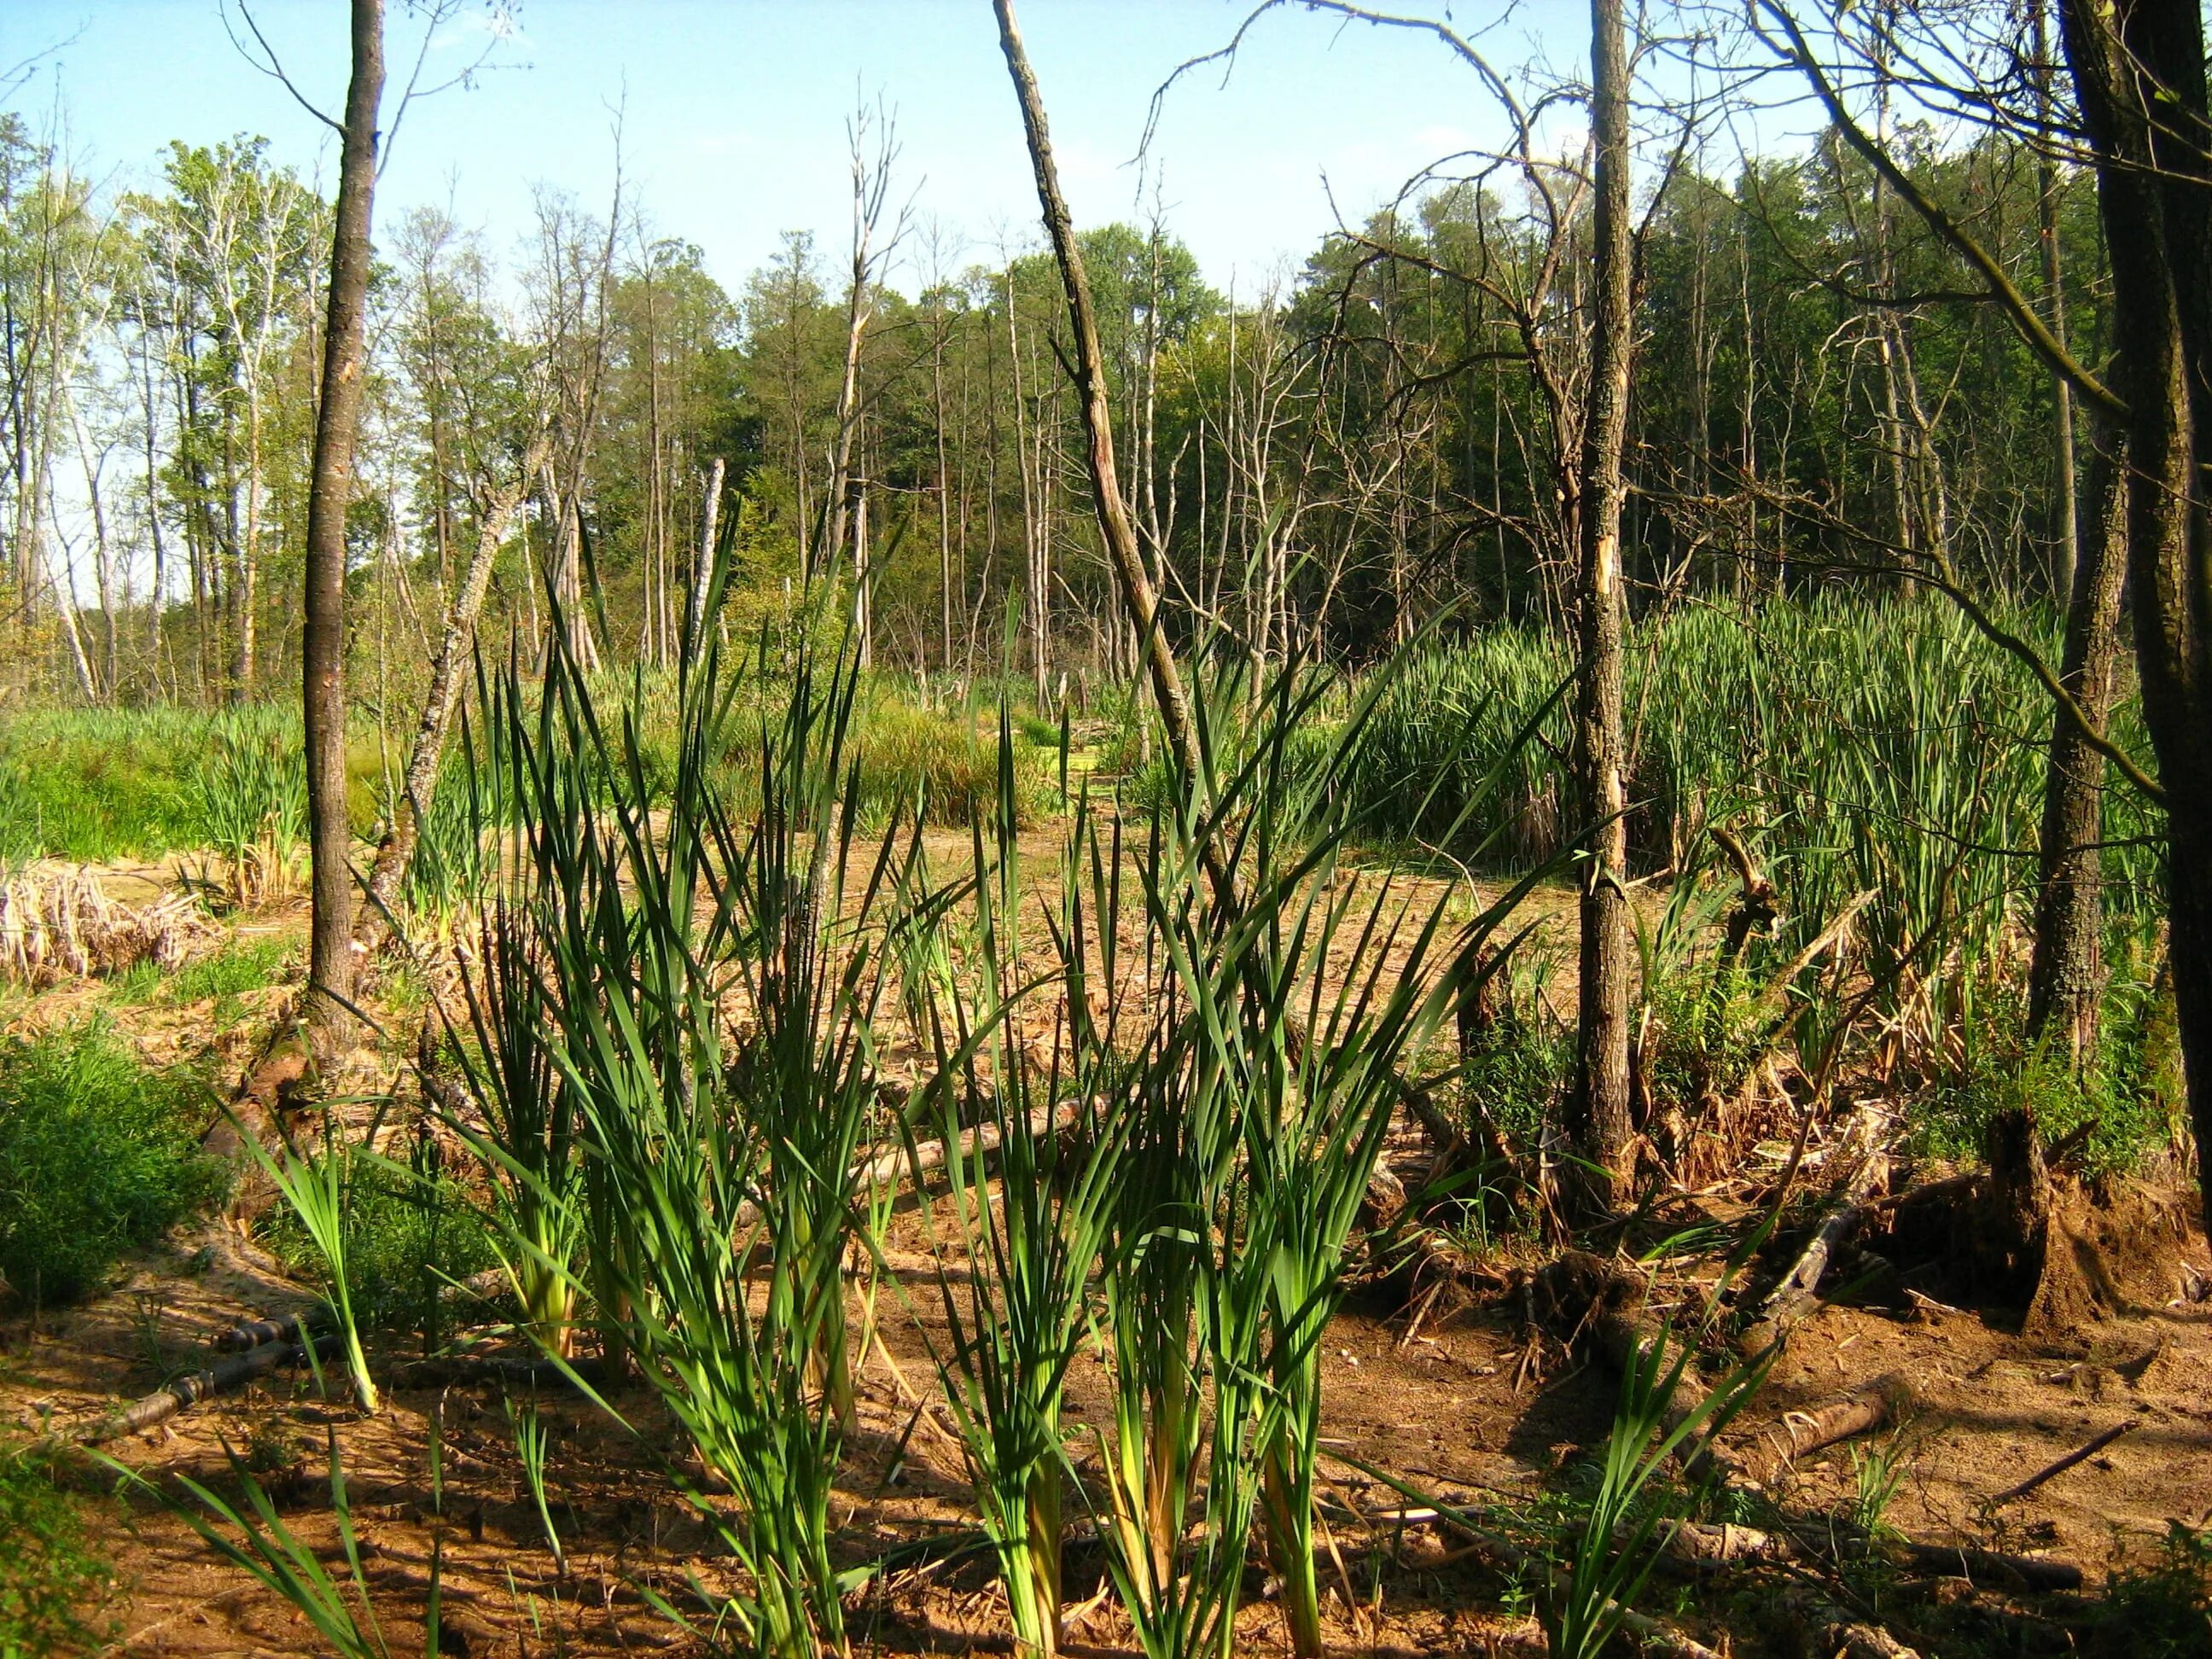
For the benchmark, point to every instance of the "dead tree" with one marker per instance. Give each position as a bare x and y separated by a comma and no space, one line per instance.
1601,1122
1089,374
395,852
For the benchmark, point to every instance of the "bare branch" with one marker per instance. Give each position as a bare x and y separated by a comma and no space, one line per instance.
271,65
2024,316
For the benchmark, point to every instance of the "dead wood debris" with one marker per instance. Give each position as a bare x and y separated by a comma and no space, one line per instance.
57,924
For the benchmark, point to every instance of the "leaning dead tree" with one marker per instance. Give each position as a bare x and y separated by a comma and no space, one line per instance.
395,850
1600,1113
1089,368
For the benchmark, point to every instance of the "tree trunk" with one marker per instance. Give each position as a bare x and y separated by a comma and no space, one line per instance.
1601,1127
702,567
868,188
2065,973
161,578
944,499
330,975
2139,74
2066,545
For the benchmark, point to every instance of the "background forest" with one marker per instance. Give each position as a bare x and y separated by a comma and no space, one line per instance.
1331,464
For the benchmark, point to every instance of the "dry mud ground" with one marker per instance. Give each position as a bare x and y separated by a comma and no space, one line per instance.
1466,1404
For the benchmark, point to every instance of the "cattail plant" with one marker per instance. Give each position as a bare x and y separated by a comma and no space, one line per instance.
524,1131
1261,1102
316,1188
710,988
1031,1245
1183,1329
249,805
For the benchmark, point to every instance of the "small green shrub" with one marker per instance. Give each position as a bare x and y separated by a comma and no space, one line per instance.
410,1231
2113,1102
54,1584
98,1153
1516,1062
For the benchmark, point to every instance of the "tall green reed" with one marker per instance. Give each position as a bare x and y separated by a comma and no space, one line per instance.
1283,995
254,1537
710,983
1018,1313
1884,749
316,1187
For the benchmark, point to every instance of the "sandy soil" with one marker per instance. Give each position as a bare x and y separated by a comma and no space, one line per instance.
1466,1403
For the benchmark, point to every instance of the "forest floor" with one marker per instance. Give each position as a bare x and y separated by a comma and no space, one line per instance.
1455,1396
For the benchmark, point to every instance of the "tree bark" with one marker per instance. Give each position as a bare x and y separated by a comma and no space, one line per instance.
702,567
2065,972
2066,546
868,190
337,417
2139,75
1600,1126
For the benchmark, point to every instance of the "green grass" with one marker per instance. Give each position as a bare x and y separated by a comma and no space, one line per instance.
54,1583
99,785
945,762
98,1155
244,964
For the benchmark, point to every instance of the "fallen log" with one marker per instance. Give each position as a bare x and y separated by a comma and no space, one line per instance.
255,1333
1797,1434
1701,1547
1833,1633
2033,1574
1768,1321
224,1377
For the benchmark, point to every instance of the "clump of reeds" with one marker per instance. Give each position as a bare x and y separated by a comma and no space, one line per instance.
672,1048
1886,761
249,796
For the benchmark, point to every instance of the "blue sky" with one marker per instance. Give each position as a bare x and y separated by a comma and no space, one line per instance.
735,110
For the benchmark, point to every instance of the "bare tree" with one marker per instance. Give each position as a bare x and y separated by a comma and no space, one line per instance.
872,252
1090,370
1601,1075
395,851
